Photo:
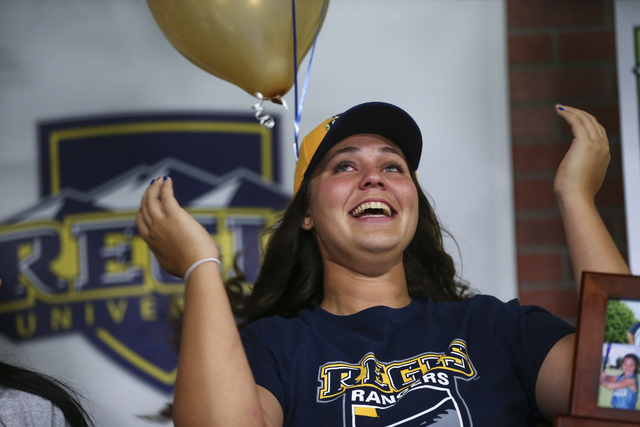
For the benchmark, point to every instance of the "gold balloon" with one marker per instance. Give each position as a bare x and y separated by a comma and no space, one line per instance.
246,42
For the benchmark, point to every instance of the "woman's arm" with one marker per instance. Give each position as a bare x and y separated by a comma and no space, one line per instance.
214,386
611,383
553,386
577,181
591,247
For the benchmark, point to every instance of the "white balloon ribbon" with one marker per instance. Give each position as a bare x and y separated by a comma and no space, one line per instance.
265,119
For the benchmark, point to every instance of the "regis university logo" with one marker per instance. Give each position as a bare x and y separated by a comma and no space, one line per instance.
74,262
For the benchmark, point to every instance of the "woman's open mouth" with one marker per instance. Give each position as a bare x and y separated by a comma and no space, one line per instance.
372,210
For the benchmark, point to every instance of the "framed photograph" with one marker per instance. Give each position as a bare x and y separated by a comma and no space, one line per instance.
607,362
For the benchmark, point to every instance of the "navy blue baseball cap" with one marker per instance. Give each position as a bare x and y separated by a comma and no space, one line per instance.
378,118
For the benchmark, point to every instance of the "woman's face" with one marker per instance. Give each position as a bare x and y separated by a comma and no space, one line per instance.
363,200
628,366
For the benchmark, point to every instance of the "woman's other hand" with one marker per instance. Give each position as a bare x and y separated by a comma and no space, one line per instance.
172,234
582,170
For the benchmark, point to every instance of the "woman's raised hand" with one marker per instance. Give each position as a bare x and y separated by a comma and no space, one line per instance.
582,170
578,179
172,234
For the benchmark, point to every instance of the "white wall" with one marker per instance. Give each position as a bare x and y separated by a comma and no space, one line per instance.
443,61
627,19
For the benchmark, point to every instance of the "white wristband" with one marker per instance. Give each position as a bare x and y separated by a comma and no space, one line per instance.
197,263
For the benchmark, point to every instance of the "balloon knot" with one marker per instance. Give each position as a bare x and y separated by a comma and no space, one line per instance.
265,120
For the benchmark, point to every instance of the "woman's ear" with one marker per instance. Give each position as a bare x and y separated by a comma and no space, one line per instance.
307,222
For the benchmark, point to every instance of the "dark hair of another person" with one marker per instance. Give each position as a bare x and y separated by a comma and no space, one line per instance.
58,393
291,276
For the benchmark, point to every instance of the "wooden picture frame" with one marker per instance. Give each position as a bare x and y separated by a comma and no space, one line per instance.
597,290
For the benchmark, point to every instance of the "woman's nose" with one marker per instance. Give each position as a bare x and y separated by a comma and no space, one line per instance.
372,178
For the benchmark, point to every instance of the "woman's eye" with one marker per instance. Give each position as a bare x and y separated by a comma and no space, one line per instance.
393,167
343,167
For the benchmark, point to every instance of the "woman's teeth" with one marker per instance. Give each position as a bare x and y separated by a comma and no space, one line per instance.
373,208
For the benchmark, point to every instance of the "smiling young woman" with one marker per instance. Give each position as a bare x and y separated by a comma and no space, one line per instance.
363,210
357,316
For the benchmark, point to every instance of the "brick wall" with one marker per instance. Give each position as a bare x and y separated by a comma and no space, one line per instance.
559,51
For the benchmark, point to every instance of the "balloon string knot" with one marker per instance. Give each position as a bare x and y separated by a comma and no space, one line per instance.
265,119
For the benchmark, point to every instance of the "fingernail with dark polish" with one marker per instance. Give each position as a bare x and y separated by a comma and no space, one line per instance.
560,108
152,181
164,178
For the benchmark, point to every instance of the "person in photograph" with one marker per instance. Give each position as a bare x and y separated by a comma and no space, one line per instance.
633,336
625,385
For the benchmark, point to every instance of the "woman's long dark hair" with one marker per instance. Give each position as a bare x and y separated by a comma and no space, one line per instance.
57,392
291,278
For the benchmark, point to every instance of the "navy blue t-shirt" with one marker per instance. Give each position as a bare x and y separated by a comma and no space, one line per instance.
473,362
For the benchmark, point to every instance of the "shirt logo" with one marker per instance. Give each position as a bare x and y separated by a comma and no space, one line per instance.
425,384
